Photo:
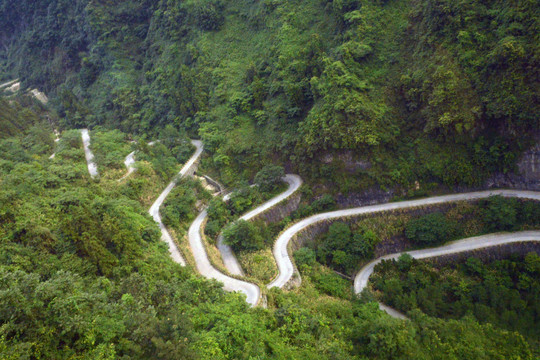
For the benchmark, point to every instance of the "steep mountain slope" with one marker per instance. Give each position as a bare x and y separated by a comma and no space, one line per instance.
418,90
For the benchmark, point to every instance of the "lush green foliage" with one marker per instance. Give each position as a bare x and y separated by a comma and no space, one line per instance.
343,249
179,206
430,229
109,148
84,275
431,90
434,91
269,177
505,293
243,235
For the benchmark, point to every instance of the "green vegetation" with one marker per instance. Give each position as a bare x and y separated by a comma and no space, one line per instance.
83,274
350,94
346,246
269,177
431,91
505,293
430,229
17,116
243,235
342,249
179,205
241,201
110,149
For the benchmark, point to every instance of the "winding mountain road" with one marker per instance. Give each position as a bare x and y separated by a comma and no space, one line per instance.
252,291
56,140
9,83
154,209
229,259
129,162
92,167
478,242
280,251
281,254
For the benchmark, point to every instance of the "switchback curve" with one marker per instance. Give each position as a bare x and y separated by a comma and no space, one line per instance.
478,242
229,259
92,167
252,291
154,209
281,254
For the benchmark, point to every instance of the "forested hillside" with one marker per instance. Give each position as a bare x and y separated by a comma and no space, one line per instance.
425,90
84,275
358,97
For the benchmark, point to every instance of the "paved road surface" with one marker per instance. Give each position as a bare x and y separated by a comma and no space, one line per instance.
8,83
285,265
362,278
229,259
154,209
204,266
92,168
57,139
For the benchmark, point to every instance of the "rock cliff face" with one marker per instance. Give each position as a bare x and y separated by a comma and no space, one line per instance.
527,176
529,166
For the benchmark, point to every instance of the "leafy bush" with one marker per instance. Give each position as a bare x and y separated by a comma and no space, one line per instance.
243,235
500,214
343,249
332,284
324,203
269,177
529,213
430,229
305,258
179,206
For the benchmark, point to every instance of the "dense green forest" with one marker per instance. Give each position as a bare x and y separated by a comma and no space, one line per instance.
427,90
347,246
350,94
84,275
503,292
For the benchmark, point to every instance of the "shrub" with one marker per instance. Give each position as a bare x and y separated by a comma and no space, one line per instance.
500,214
332,284
179,206
243,235
430,229
343,250
324,203
304,257
529,213
269,177
404,262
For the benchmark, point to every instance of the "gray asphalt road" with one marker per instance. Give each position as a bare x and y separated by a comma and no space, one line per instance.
154,209
8,83
204,266
283,260
92,168
362,278
57,139
227,254
130,161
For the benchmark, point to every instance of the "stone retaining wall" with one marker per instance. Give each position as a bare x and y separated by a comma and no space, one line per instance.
492,253
280,211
